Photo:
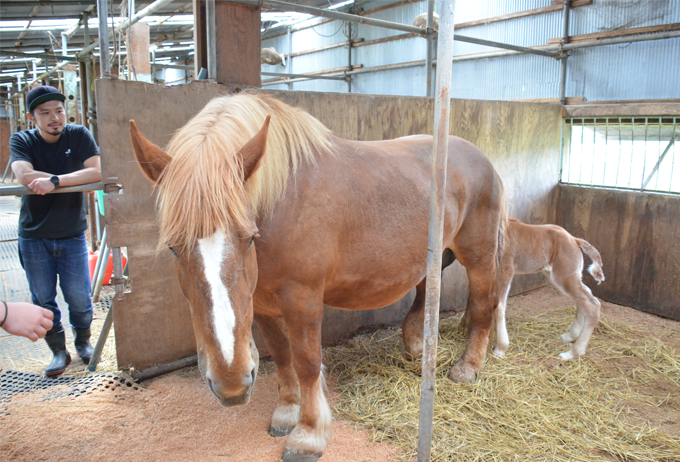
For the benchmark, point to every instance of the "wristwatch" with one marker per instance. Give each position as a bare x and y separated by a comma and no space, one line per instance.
55,180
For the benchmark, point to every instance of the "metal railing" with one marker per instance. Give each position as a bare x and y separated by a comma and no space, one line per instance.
638,153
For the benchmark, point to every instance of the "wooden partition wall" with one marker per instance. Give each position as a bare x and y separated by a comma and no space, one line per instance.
637,235
152,322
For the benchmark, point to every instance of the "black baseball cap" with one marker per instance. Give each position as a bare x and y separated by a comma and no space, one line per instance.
42,94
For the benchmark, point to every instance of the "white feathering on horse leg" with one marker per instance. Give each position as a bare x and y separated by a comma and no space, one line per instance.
212,250
314,440
286,416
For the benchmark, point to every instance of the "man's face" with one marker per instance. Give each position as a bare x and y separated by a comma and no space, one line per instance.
50,118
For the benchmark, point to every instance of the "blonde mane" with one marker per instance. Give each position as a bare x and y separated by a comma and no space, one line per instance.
202,189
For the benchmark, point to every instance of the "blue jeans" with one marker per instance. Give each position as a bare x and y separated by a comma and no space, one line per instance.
44,260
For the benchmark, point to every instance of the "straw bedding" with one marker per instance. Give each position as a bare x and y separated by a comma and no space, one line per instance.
529,405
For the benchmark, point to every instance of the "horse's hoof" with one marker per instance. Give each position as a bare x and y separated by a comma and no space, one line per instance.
498,353
566,338
462,374
278,432
297,456
413,351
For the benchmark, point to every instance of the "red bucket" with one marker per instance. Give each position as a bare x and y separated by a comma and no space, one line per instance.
92,261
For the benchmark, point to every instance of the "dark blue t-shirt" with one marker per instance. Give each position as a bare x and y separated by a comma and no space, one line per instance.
53,216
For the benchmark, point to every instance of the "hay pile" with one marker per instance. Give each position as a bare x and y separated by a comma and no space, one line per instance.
529,405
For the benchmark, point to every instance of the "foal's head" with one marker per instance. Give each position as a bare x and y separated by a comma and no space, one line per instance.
212,240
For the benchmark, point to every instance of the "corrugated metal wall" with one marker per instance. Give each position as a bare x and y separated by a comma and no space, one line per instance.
642,70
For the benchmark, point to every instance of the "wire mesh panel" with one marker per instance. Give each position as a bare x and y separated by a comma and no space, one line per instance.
622,152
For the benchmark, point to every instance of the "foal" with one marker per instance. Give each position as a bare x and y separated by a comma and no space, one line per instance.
533,248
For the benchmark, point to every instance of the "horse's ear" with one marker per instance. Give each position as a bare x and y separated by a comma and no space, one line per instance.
151,159
252,151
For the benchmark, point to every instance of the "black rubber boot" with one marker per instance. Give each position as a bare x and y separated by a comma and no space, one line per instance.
83,346
57,343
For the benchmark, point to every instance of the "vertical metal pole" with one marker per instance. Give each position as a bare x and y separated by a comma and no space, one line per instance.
64,45
349,57
430,42
103,335
103,263
290,51
118,270
102,14
565,40
35,70
211,38
440,147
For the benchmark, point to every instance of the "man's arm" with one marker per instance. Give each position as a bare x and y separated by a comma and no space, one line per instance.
41,183
24,172
90,174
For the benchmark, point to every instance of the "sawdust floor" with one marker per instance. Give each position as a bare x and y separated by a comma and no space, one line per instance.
175,417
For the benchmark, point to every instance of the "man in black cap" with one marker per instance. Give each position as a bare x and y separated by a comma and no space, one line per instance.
52,227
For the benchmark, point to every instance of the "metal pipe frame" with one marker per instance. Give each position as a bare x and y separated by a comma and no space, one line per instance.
103,15
302,76
565,40
440,148
285,6
211,38
26,191
83,54
430,45
36,55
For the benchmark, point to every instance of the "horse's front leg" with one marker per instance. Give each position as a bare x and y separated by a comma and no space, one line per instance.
303,312
287,412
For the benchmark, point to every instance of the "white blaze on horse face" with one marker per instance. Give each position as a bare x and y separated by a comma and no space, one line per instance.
213,250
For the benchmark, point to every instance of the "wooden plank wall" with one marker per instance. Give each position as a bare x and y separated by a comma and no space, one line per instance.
637,235
152,321
4,144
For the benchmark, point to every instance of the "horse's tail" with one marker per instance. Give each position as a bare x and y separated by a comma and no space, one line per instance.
502,235
595,269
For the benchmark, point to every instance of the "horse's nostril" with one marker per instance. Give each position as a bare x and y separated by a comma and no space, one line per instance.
249,378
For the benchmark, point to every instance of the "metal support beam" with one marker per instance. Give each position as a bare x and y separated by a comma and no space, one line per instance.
285,6
349,56
7,52
658,163
103,15
302,76
289,62
430,47
565,40
25,190
211,38
506,46
440,148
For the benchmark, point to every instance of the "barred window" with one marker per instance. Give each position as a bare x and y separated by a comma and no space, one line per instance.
622,152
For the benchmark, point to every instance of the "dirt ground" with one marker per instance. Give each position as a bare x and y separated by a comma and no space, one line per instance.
175,417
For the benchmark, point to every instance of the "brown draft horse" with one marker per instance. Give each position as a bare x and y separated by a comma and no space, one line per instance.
270,217
550,248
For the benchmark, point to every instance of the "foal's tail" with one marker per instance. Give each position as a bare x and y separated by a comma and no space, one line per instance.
595,269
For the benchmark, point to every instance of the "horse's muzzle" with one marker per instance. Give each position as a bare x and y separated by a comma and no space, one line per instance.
235,400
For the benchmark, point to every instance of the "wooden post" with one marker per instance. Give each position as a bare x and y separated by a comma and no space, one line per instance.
139,65
237,42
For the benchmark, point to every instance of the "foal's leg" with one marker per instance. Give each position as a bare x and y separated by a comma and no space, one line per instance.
287,412
588,310
303,312
502,339
412,328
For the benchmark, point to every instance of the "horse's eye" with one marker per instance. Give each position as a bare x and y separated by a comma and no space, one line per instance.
252,239
173,252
